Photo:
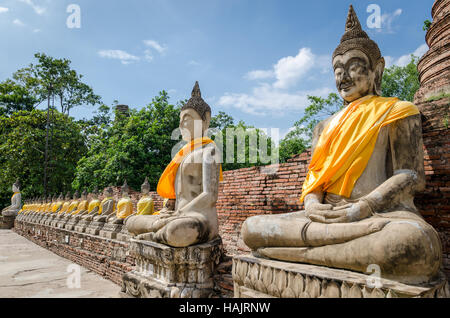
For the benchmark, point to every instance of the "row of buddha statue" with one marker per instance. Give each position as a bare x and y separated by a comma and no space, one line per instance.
366,167
66,212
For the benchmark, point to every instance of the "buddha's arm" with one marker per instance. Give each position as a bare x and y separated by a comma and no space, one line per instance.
210,181
16,201
398,191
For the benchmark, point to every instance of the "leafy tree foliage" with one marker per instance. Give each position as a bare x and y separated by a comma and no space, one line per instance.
22,149
130,148
401,82
300,137
15,97
51,76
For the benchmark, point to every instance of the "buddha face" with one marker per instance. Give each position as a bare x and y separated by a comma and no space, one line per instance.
355,77
14,188
191,124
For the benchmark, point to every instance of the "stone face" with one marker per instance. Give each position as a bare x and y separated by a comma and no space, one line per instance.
261,278
167,272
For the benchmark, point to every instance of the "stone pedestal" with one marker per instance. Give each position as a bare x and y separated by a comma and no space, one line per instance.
110,231
165,272
123,235
70,225
94,228
81,226
7,222
62,223
261,278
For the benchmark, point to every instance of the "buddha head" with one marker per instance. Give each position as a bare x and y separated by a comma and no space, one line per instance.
54,198
195,116
61,197
76,195
16,186
145,187
357,62
67,197
95,193
109,191
125,188
49,198
84,195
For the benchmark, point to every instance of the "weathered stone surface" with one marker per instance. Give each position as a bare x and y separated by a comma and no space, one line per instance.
94,227
261,278
167,272
110,230
7,222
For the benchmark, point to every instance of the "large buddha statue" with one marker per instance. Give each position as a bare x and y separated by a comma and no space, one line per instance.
192,178
16,201
124,207
367,164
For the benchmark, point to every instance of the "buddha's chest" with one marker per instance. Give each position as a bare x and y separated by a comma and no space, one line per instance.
190,174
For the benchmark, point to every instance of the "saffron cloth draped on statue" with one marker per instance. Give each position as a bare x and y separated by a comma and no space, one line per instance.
166,184
347,142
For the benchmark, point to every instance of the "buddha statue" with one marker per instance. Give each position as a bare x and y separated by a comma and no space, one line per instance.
58,204
124,207
80,205
145,206
366,167
192,179
16,201
93,207
65,206
107,207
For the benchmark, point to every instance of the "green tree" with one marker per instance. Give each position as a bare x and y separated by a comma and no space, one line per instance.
55,77
131,148
15,97
402,82
22,148
300,137
427,25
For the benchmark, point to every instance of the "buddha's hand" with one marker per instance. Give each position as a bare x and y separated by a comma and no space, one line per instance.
349,213
313,208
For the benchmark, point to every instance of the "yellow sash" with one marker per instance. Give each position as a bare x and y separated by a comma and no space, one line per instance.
93,204
100,210
145,206
124,208
348,141
166,184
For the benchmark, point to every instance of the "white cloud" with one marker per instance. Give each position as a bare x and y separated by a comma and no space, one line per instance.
405,59
277,97
3,9
18,23
387,20
290,69
193,63
155,45
259,74
36,30
38,9
265,99
148,55
124,57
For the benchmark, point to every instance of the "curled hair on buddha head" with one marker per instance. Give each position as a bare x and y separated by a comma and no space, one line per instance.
61,196
125,187
17,184
76,195
145,185
67,197
197,103
84,193
355,38
109,189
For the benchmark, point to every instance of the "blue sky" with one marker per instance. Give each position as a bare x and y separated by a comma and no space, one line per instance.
257,60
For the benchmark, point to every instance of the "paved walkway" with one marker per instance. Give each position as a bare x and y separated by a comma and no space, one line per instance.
28,270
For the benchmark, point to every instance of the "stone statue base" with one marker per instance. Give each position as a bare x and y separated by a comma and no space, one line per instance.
81,226
7,222
110,231
165,272
70,225
62,223
262,278
94,228
123,235
48,221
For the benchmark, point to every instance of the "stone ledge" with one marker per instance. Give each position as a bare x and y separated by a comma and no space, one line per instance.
260,278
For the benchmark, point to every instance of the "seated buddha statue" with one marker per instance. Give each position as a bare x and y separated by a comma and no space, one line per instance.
82,205
16,201
93,207
73,205
192,179
366,167
58,204
107,207
145,205
124,207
